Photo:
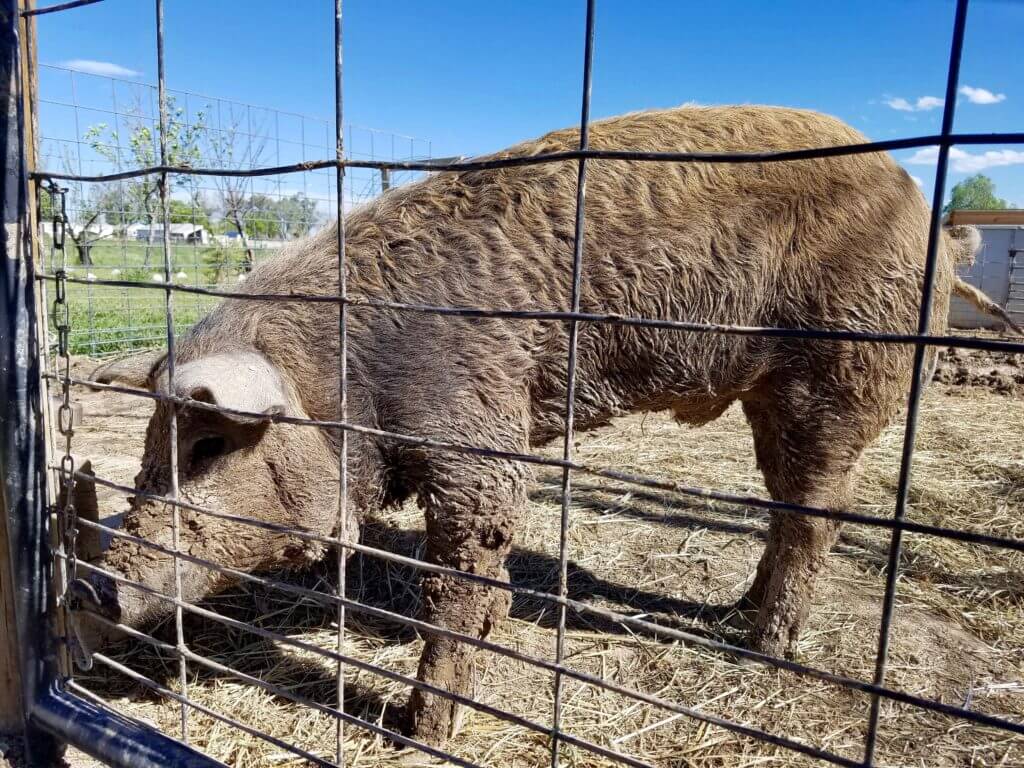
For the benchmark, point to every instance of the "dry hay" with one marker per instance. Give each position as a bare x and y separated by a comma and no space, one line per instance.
957,637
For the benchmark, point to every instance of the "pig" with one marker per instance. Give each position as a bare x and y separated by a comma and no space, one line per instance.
836,243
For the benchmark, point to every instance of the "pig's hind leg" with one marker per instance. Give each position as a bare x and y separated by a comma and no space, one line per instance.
808,438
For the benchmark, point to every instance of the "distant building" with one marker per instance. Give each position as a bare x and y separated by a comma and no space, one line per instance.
997,269
193,234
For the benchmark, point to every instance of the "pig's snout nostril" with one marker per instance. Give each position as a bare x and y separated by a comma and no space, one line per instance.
96,594
89,598
84,593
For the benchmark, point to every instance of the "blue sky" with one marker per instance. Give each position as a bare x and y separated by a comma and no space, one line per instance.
476,76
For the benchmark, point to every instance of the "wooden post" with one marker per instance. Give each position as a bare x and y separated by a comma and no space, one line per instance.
19,80
11,710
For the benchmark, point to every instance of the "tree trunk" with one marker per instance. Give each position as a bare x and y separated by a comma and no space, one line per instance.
83,249
149,237
84,254
247,260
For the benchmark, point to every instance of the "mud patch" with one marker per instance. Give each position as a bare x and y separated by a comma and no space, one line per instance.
963,369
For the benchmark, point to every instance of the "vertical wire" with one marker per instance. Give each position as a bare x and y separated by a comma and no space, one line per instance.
342,374
122,211
91,333
570,388
169,305
916,383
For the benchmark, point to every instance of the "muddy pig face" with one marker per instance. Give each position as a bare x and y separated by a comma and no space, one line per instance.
229,464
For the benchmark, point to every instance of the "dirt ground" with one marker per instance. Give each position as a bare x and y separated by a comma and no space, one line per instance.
958,634
967,368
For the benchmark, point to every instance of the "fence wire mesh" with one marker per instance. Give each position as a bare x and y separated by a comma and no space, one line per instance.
221,226
161,169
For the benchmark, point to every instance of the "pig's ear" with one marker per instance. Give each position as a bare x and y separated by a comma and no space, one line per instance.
242,381
131,371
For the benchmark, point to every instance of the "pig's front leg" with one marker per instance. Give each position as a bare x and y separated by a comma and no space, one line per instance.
472,506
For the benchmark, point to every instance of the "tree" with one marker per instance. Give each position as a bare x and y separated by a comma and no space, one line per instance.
140,200
233,147
975,193
287,217
85,228
86,212
297,215
194,211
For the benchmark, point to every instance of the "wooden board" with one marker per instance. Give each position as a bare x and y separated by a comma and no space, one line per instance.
1010,217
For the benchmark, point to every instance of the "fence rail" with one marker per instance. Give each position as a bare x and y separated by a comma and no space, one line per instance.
59,705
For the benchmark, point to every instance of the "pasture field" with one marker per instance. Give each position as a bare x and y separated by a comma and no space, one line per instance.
110,320
958,634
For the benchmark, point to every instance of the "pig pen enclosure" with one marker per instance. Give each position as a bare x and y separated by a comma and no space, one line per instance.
637,540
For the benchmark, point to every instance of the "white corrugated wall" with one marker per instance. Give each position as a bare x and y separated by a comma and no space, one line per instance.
998,270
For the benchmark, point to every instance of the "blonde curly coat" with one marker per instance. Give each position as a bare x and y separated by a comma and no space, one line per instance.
833,243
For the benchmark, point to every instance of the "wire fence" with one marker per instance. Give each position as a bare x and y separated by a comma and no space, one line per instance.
167,169
221,226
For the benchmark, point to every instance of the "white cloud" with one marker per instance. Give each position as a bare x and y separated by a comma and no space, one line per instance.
923,103
104,68
925,156
966,162
981,95
929,102
917,180
901,104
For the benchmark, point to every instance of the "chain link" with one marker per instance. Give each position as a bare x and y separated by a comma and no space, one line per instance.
68,515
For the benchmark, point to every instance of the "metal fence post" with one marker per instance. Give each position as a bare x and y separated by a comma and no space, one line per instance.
27,568
40,708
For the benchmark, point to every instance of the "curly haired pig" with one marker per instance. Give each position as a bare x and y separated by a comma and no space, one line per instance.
834,243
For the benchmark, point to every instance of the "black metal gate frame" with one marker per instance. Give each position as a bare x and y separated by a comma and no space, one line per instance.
58,710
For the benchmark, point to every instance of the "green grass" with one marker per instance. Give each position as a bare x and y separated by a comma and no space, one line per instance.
109,320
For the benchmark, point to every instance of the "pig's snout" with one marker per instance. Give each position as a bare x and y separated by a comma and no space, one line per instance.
96,593
93,603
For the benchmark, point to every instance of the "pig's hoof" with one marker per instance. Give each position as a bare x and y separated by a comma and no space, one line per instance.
773,640
742,616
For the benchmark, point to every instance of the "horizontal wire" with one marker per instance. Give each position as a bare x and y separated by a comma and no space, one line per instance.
556,157
946,140
463,575
357,663
297,699
875,337
331,711
191,655
326,599
58,7
969,537
176,697
656,629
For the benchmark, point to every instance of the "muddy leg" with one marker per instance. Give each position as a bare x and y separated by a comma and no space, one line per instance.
800,553
471,509
811,464
747,606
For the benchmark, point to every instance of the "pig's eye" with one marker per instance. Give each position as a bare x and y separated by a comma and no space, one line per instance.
206,449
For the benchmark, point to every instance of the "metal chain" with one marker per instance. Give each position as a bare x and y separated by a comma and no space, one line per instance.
68,515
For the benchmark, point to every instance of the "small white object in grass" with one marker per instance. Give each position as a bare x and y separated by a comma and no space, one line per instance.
182,275
90,276
241,278
115,273
157,277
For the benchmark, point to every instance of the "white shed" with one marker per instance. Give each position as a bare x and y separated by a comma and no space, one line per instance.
998,267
